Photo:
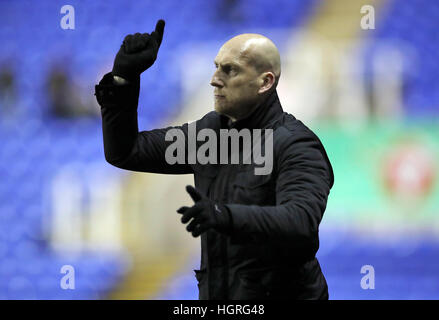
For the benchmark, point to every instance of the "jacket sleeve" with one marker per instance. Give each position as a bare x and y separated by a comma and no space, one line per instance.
124,146
303,184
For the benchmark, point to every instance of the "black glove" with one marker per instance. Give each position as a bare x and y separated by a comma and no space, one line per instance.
138,52
205,214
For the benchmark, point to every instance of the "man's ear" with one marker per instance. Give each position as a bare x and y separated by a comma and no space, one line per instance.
267,82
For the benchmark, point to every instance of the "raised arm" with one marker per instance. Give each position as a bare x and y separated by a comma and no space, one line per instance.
118,95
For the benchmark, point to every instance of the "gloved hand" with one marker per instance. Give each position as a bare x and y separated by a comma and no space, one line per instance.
205,214
138,52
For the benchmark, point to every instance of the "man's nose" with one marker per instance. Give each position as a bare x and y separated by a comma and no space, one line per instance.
215,82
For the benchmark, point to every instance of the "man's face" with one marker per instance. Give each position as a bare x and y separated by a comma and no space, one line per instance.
235,82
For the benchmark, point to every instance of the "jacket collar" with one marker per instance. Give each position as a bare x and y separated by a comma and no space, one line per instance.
259,118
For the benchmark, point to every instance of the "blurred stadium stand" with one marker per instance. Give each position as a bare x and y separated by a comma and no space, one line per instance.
411,25
40,147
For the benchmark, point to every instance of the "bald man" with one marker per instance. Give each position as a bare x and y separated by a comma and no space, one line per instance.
254,62
259,228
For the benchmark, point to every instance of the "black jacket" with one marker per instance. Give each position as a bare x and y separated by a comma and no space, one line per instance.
269,251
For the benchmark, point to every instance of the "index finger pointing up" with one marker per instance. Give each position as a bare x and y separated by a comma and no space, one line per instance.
159,29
